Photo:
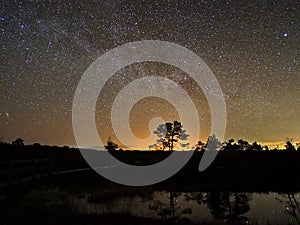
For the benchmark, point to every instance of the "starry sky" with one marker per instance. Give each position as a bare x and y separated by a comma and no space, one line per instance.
252,47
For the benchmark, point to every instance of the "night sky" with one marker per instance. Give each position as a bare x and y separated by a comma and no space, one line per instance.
252,47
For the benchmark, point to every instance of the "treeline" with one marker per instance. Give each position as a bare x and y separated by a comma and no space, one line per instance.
61,158
243,145
230,145
243,167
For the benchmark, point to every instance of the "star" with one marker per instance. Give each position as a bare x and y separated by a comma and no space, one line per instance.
251,50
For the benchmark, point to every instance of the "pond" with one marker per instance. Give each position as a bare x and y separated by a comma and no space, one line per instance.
201,207
191,207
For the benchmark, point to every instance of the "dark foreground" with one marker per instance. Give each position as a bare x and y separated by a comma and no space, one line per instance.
238,188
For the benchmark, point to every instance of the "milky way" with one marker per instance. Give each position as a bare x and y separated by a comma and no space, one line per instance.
252,47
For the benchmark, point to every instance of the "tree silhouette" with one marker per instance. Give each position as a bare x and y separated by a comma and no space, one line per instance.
18,142
243,144
213,143
255,147
111,146
289,146
169,135
200,146
298,146
230,146
266,148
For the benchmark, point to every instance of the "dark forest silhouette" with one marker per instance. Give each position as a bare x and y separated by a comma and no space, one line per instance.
237,165
238,161
171,135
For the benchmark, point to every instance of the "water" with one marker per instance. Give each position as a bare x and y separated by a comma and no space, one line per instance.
201,207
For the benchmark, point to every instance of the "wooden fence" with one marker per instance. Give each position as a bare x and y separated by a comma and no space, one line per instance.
19,171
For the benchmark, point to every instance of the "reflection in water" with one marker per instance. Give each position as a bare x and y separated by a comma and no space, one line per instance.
172,210
229,207
291,204
224,206
196,207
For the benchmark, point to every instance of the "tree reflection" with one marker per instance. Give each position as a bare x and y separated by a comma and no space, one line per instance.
291,204
171,210
229,207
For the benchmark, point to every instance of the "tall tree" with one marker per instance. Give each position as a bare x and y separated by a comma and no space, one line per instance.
169,134
111,146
